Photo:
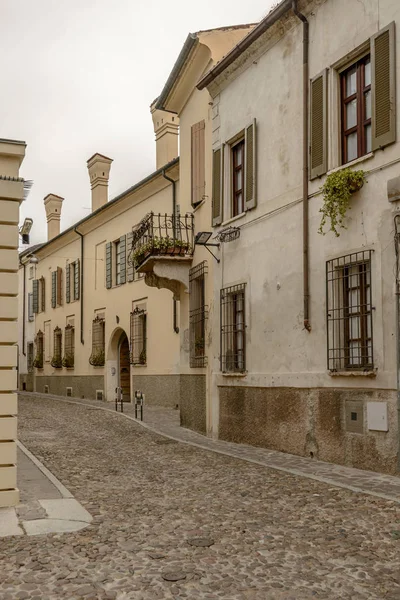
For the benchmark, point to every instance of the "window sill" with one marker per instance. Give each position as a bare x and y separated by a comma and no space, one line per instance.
372,373
234,374
199,205
233,219
352,163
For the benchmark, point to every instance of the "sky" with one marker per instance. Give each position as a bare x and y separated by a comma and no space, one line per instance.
78,77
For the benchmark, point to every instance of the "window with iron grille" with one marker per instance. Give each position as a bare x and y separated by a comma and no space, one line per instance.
138,341
39,342
56,361
233,329
198,313
30,351
97,358
349,312
69,347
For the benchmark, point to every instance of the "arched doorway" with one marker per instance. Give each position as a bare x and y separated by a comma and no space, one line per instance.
124,367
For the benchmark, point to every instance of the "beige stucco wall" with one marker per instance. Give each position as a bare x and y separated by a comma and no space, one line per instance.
11,195
267,85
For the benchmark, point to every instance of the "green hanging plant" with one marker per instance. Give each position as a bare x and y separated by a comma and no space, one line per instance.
337,191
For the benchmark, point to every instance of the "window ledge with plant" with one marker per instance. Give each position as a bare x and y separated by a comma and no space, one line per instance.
337,191
97,358
38,361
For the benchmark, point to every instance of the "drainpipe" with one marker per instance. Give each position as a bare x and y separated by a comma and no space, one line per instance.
176,328
23,312
306,282
397,254
82,283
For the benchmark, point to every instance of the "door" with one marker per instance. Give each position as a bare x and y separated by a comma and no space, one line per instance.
124,369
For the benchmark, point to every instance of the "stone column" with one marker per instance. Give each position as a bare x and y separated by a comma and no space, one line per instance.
11,195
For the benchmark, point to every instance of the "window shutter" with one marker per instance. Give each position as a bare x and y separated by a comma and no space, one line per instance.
318,126
218,186
383,80
130,269
108,266
59,286
122,258
77,282
53,288
250,166
43,294
67,284
198,164
35,291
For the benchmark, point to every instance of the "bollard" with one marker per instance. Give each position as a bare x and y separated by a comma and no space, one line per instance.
119,398
139,401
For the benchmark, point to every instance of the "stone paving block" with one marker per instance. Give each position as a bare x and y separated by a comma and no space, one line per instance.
44,526
66,509
9,523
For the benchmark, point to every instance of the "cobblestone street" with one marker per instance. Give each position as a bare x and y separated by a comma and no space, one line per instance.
174,521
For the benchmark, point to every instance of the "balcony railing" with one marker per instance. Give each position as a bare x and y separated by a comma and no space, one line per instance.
162,235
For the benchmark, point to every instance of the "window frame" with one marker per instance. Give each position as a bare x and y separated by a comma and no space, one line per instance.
138,336
198,315
117,261
233,330
237,168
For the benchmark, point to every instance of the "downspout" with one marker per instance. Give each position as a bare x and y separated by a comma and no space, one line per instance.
306,267
176,328
23,312
397,254
82,283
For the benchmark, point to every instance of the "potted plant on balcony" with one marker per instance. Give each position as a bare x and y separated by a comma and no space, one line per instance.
142,357
97,358
337,191
56,362
68,361
38,361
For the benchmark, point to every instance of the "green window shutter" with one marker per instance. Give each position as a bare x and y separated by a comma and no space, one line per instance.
67,284
250,166
383,86
122,258
53,288
218,186
35,290
130,270
77,279
43,294
108,265
318,126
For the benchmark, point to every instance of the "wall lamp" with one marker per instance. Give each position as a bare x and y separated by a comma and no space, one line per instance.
25,230
202,238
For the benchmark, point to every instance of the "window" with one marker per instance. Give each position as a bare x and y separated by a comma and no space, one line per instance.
117,248
72,281
138,341
349,312
97,358
56,361
38,295
30,307
69,347
56,287
47,341
233,329
30,351
42,295
237,178
198,312
38,362
31,271
356,110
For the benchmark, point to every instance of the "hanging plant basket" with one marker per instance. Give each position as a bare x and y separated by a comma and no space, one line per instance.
337,191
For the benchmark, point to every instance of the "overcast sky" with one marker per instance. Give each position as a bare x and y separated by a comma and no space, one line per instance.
78,77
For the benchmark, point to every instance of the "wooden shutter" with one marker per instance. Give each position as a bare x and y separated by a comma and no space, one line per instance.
59,286
122,258
53,288
218,186
108,265
198,164
250,166
67,284
35,291
383,86
77,281
318,126
130,268
43,294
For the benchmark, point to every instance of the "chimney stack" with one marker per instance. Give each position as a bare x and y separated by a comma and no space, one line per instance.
99,172
166,128
52,204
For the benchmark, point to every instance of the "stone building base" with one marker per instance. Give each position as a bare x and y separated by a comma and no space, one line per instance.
83,386
26,382
328,424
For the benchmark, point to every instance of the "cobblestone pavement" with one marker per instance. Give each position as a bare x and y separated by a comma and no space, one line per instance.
174,521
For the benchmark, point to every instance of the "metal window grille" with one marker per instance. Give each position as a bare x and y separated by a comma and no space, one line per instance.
30,350
233,329
198,314
69,347
349,312
39,342
97,357
138,341
56,361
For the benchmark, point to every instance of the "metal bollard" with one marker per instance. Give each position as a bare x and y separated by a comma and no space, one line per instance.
139,401
119,398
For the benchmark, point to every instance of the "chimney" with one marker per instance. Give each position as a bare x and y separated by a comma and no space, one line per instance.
52,204
99,172
166,128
